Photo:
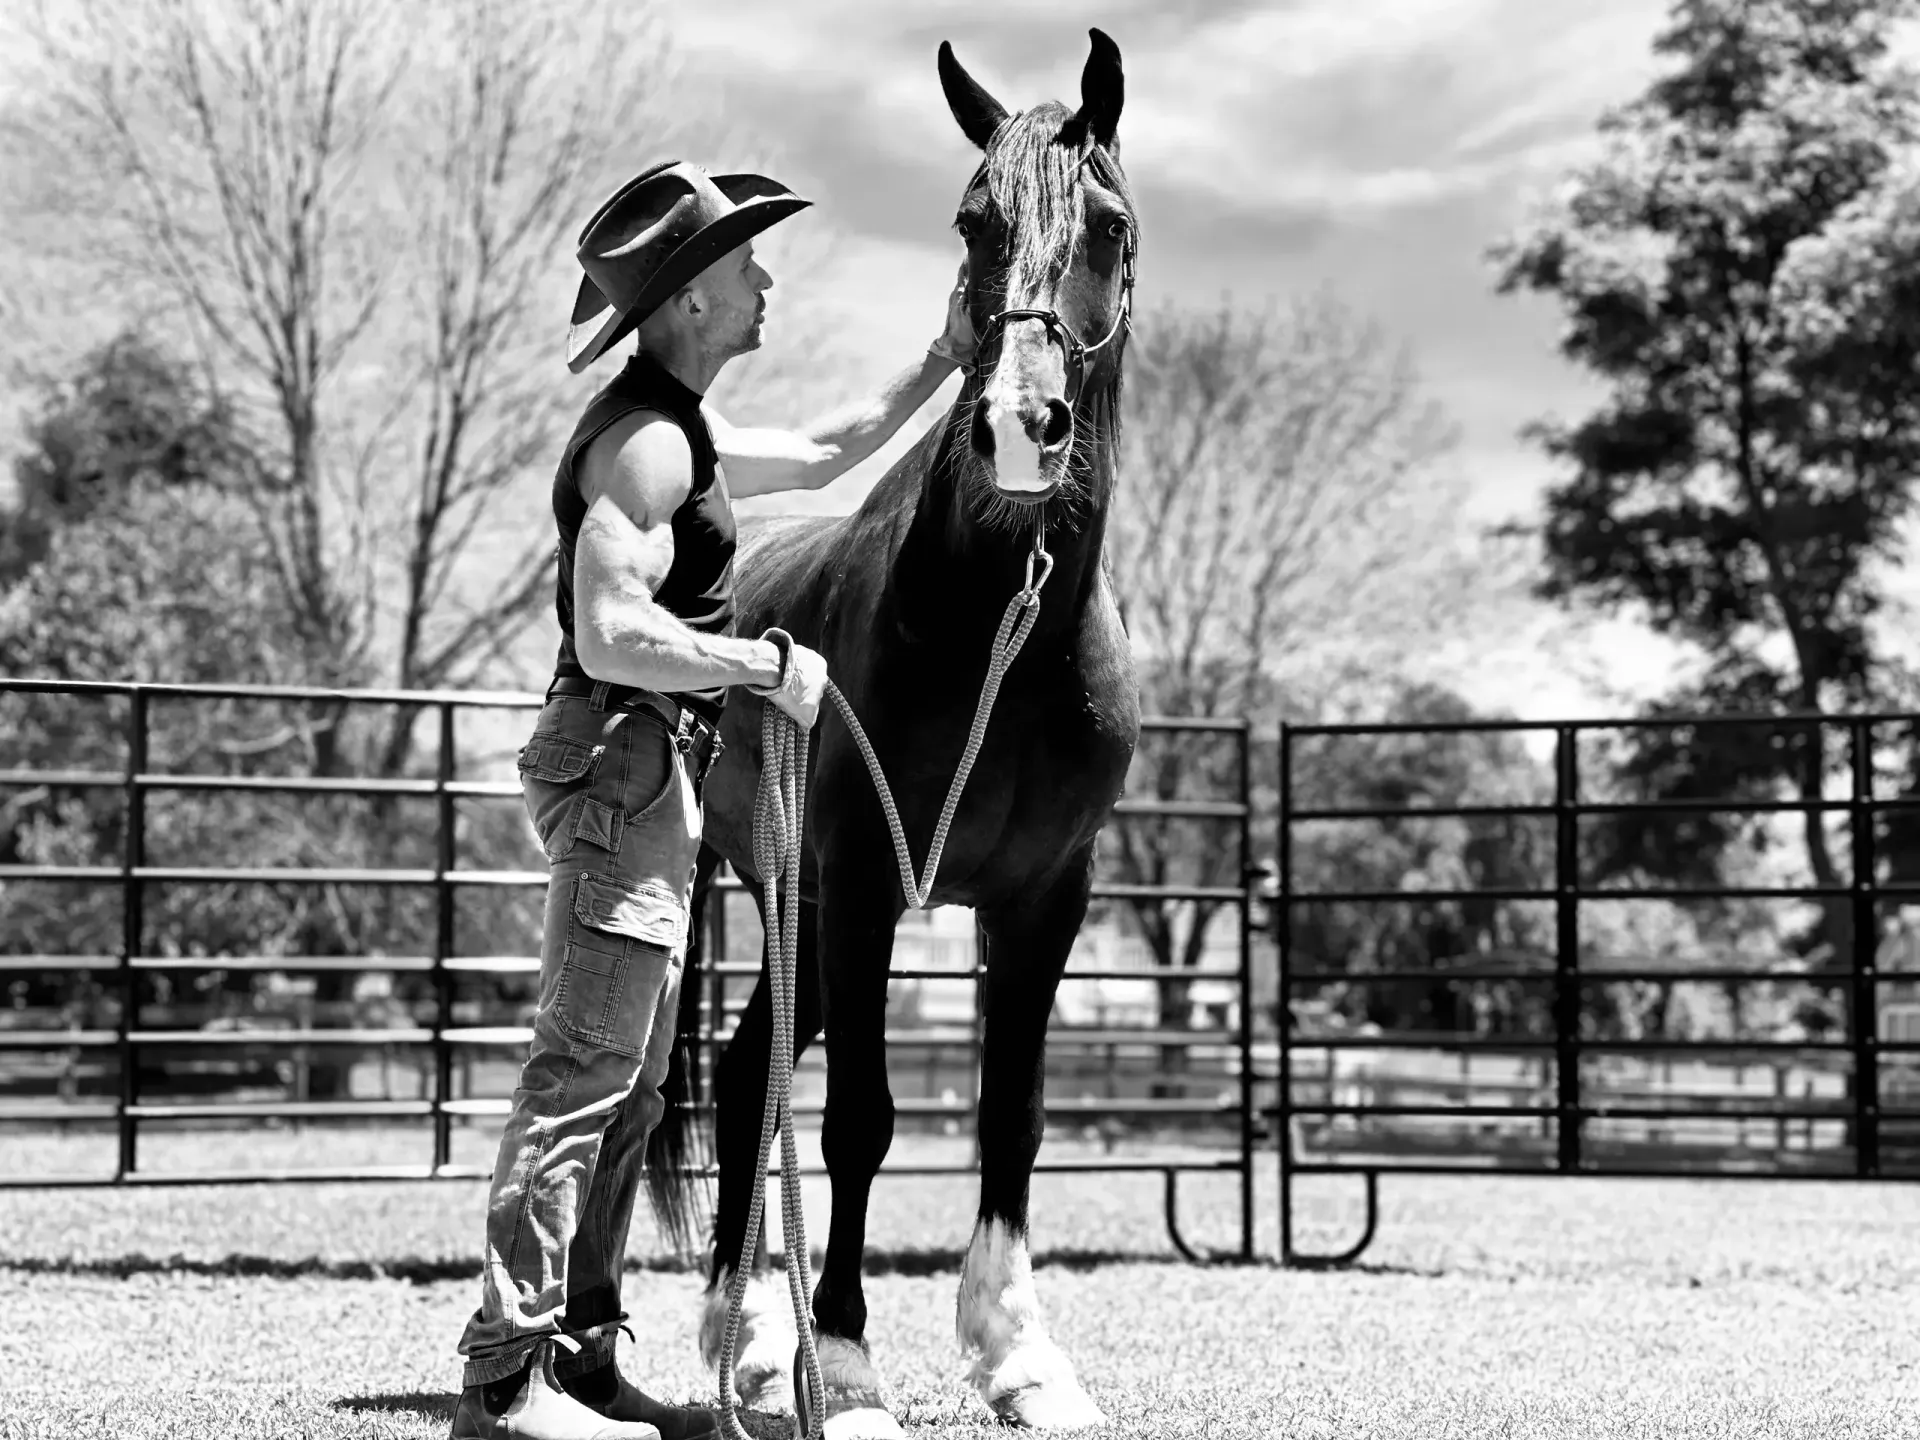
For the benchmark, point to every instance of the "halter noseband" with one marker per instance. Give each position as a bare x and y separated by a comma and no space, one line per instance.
1074,351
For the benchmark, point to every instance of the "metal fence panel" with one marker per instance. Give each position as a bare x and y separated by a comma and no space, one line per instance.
1570,1105
444,1038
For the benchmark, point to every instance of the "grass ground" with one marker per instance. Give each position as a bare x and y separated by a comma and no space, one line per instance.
1487,1307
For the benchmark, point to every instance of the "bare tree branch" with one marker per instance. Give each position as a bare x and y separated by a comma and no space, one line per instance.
1284,490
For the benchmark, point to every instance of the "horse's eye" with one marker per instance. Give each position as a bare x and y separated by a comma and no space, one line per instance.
1117,228
966,231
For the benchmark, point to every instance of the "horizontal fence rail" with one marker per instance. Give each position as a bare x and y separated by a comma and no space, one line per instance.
1549,1079
1232,1047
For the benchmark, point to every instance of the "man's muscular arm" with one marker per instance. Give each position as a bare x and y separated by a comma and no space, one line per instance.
633,477
762,461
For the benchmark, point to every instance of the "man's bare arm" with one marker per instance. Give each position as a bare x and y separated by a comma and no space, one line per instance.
760,461
633,477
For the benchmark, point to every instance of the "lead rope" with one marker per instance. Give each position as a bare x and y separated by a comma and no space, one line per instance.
778,814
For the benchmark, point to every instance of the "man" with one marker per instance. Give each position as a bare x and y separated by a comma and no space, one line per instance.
613,771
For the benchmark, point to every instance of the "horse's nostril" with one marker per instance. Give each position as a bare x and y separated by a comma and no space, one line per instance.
1058,426
980,431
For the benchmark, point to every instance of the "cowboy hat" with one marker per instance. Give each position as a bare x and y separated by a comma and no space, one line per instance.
660,230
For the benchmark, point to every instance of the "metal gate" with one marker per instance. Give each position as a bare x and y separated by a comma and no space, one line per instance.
442,1037
1568,1110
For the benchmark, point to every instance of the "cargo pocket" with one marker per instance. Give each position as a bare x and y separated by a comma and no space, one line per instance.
556,772
623,941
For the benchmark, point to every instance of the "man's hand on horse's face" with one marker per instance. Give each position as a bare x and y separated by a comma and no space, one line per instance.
957,342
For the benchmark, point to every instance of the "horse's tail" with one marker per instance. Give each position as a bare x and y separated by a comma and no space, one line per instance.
676,1153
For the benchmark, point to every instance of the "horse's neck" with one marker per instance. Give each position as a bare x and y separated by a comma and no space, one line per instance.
965,574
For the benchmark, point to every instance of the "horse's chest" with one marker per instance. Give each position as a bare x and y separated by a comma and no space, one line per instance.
1044,778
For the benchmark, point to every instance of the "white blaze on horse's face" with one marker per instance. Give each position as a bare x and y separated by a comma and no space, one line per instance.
1026,412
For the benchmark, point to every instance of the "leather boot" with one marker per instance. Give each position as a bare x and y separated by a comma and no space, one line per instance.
629,1402
543,1410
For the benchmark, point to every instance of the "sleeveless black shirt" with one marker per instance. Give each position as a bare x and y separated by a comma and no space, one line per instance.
699,585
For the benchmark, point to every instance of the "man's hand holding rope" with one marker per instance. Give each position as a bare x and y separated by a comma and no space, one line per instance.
803,679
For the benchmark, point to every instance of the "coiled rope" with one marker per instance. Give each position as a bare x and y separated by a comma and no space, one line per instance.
778,815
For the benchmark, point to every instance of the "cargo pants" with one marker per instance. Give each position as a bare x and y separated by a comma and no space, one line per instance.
613,796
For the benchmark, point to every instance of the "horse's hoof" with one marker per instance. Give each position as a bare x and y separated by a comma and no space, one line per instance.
853,1408
762,1348
1035,1387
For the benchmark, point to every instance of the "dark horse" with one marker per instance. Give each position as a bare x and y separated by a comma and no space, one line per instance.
904,598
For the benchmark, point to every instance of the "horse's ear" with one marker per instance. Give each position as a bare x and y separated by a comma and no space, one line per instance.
1103,89
978,112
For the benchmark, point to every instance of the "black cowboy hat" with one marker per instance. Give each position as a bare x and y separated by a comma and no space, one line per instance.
660,229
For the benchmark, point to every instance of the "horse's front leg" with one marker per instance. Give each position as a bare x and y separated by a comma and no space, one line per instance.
1016,1367
859,907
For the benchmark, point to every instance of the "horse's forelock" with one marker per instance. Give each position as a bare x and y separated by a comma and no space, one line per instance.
1033,180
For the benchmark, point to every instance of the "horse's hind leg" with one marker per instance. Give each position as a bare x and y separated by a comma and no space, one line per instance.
1015,1365
763,1364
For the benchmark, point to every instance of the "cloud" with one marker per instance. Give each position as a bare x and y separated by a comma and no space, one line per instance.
1370,146
1375,147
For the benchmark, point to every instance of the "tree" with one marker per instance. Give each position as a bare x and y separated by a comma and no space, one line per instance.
355,210
356,218
1407,773
146,563
1286,525
130,420
1727,267
142,561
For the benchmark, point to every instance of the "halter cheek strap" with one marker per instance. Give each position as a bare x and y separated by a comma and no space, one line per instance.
1059,330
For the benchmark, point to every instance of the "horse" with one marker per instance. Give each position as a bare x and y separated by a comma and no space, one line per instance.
904,598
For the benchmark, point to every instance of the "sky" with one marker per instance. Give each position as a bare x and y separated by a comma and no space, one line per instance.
1374,148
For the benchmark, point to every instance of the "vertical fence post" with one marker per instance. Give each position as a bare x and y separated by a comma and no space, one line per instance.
1282,1013
1247,1096
979,1027
443,862
132,923
1566,948
1865,1003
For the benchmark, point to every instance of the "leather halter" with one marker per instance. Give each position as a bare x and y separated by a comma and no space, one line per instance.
1058,330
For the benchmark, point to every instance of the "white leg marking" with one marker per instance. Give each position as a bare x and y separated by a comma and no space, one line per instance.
763,1350
1016,1368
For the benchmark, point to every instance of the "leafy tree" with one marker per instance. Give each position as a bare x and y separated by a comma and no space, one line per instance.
1411,853
148,565
1732,265
131,419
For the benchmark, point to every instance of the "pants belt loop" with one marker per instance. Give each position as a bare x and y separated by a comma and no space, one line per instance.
598,700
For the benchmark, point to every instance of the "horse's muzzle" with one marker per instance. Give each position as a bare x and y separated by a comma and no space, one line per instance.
1026,444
